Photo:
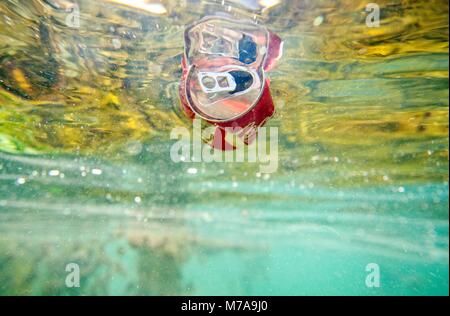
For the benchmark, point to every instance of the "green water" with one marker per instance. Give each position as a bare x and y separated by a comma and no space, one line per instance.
86,175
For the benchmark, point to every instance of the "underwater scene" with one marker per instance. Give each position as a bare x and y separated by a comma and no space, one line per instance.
355,202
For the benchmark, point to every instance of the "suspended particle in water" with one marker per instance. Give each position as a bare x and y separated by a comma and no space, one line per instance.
192,170
133,148
53,173
116,43
319,20
96,171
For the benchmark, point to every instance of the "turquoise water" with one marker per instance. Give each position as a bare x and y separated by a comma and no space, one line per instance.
86,175
293,240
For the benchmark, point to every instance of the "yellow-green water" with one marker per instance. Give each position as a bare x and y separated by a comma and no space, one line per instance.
363,154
